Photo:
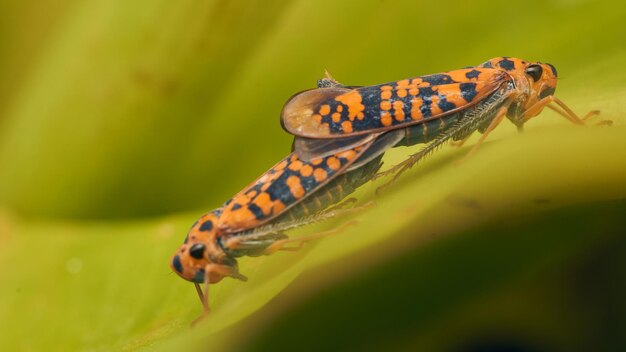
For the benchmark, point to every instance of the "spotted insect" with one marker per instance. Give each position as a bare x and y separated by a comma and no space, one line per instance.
428,109
292,193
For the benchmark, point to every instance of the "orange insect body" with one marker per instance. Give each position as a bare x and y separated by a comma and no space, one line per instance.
427,109
271,195
326,112
341,134
253,222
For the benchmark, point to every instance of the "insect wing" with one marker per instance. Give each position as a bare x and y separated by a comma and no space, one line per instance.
311,148
303,113
380,145
284,185
342,112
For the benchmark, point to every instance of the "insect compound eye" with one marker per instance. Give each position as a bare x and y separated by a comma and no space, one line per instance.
197,250
534,71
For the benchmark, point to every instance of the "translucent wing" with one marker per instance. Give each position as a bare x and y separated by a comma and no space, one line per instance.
310,148
342,111
380,145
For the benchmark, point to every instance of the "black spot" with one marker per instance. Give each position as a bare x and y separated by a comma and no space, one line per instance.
177,264
197,250
425,108
335,127
186,239
437,79
199,276
546,92
279,189
468,91
228,202
371,101
271,192
207,225
258,213
309,182
426,92
507,64
236,206
472,74
553,70
487,65
444,104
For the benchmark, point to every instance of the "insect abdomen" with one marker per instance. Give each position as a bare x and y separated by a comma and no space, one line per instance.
427,131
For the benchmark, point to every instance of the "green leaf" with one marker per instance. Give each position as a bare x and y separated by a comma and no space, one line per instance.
108,285
155,108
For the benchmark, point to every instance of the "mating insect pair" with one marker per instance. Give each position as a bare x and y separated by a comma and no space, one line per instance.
341,134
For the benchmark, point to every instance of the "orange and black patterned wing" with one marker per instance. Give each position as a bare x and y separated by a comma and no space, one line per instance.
343,111
283,186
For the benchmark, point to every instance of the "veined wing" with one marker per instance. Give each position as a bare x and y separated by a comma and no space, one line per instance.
341,112
310,148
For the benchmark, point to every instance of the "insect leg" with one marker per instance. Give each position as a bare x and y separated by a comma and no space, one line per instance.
564,114
343,205
462,129
562,110
212,270
204,299
584,118
459,144
494,123
398,169
587,116
591,114
300,241
340,209
273,232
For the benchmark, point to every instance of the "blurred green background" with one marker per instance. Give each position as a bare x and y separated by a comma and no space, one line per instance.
121,122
